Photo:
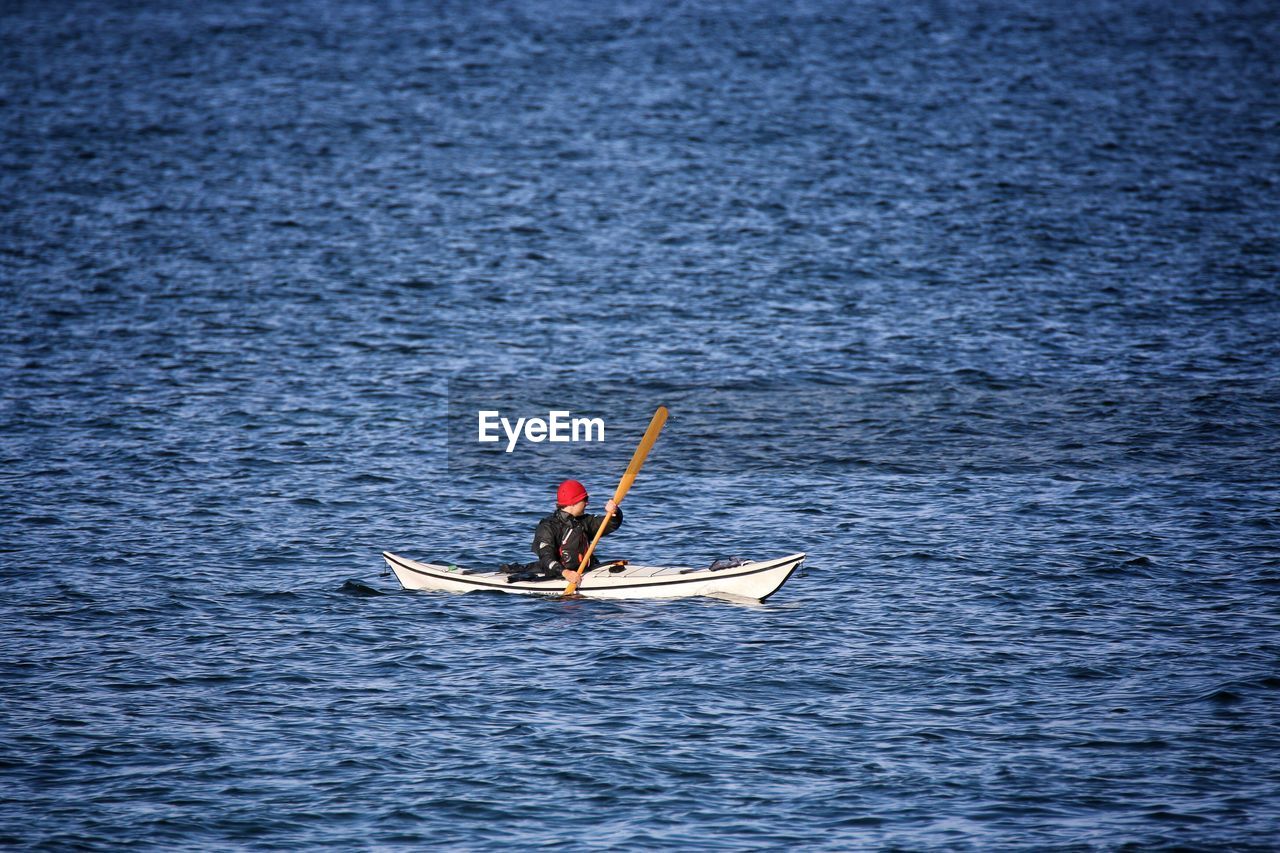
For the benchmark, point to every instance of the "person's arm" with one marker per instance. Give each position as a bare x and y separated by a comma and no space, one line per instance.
544,545
591,523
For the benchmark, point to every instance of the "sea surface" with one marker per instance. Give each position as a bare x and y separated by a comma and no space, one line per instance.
976,303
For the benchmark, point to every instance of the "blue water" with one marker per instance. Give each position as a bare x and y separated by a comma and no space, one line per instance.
978,304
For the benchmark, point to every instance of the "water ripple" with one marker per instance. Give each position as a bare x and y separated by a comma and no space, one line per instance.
978,306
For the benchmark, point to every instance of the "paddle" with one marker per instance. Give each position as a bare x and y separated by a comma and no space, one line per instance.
624,485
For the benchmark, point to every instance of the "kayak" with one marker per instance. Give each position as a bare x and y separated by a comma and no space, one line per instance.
755,580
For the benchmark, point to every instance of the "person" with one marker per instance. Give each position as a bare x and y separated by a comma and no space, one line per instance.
563,537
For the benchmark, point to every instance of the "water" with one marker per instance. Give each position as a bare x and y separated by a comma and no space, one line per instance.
977,304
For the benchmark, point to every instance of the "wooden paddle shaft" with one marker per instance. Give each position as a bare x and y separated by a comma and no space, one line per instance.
624,485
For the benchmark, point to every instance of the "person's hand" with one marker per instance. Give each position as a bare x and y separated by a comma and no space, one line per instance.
609,506
572,577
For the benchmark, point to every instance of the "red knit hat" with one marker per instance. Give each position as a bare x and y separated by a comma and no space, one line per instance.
570,492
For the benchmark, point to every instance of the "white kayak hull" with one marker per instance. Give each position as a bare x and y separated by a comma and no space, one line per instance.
756,580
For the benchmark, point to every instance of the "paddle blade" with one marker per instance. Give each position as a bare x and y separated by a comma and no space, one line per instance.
656,424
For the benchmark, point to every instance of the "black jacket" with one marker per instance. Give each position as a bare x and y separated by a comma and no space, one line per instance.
562,539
